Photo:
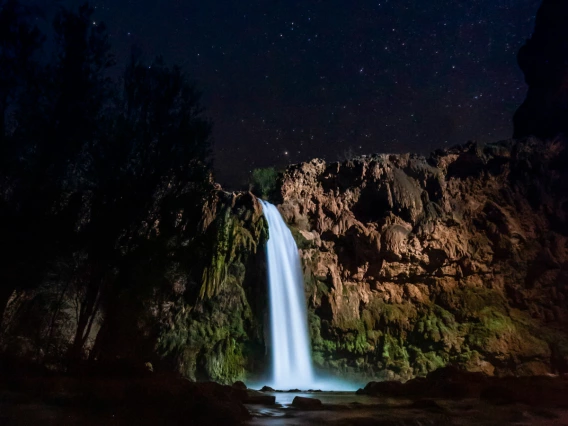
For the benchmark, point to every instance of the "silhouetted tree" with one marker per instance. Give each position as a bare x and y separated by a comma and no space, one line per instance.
58,121
160,156
544,62
106,178
19,41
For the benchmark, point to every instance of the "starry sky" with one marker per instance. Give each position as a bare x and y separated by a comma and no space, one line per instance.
285,81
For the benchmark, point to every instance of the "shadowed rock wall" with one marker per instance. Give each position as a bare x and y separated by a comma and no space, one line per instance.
190,303
544,61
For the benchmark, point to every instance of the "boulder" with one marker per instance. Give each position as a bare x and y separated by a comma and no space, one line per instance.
307,403
391,388
267,389
256,397
153,399
239,385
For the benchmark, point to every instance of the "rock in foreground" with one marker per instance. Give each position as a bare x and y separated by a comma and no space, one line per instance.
267,389
159,399
451,383
257,397
239,385
306,403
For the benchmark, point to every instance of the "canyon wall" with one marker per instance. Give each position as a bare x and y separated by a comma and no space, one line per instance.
190,302
414,263
410,264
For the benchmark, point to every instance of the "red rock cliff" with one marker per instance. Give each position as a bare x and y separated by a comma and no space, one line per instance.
415,263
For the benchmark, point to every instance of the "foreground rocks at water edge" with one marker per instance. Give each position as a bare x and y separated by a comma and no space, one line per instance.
95,399
257,397
452,383
267,389
307,403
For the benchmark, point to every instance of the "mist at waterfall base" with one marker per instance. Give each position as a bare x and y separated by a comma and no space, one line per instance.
292,366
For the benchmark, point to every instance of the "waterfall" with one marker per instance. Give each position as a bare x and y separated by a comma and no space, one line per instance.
291,355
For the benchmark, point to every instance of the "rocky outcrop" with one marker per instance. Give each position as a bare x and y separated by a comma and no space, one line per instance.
306,403
415,263
194,304
544,61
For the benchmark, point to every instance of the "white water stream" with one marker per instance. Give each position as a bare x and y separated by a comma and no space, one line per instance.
291,355
290,341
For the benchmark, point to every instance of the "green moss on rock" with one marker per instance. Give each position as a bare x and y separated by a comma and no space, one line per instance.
215,335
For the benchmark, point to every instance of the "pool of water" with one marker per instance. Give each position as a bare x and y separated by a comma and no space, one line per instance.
286,398
349,409
338,406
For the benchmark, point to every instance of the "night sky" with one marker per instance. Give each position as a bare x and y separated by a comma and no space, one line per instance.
285,81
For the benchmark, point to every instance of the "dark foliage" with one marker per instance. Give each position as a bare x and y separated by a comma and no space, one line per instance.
264,183
544,62
96,176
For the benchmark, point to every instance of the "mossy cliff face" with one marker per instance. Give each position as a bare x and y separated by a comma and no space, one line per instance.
190,296
217,333
413,263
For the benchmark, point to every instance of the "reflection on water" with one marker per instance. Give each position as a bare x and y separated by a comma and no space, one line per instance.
338,406
348,408
286,398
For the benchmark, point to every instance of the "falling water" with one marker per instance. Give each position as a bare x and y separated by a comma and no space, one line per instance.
291,357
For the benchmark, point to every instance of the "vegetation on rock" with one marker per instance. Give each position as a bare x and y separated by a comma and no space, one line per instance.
218,335
264,183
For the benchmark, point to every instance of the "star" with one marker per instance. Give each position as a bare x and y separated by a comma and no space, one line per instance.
293,64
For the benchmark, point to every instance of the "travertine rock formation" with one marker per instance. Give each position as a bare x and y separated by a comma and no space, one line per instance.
413,263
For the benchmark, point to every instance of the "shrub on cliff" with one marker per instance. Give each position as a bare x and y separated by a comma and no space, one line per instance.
264,182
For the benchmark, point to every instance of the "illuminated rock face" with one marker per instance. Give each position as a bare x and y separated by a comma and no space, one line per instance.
544,61
412,263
